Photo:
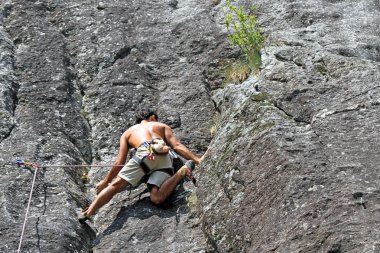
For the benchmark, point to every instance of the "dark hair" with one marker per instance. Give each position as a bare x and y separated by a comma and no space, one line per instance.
144,114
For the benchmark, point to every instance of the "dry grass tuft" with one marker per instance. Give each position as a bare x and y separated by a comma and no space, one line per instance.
237,72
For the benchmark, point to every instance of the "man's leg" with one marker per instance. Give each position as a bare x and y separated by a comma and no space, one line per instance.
105,196
159,194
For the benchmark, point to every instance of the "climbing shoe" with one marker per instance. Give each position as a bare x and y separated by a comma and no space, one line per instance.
85,220
82,217
190,166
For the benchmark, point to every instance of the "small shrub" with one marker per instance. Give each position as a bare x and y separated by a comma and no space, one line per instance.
245,33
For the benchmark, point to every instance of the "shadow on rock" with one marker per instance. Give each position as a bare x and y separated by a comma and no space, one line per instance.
143,209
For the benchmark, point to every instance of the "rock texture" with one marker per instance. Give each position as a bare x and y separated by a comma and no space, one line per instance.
294,166
72,75
294,154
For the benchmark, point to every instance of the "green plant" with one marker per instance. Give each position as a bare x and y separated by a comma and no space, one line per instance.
245,33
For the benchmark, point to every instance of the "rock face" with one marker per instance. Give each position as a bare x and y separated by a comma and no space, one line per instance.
72,75
293,161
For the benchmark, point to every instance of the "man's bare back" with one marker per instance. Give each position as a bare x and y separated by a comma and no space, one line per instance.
146,131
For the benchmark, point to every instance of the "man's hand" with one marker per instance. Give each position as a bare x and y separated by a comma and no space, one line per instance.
100,186
203,157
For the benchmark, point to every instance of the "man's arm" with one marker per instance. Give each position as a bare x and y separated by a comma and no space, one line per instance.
118,164
178,147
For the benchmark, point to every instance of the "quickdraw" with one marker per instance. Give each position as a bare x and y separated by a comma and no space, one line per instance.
149,148
21,162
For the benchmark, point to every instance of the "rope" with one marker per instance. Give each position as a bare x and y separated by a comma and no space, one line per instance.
36,167
73,166
23,163
27,208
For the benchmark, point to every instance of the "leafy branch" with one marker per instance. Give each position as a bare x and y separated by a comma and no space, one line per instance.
245,33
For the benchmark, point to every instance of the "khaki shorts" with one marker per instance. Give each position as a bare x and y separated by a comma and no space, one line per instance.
133,173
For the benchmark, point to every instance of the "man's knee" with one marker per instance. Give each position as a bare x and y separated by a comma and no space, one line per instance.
118,185
155,196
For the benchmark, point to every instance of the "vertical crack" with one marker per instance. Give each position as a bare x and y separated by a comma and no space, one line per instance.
7,134
8,84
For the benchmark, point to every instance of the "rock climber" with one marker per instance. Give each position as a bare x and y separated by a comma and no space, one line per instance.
151,139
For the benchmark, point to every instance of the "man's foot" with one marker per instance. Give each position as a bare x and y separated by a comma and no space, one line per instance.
85,220
82,216
187,171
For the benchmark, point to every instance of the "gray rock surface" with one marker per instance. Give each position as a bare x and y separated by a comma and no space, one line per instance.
72,75
293,164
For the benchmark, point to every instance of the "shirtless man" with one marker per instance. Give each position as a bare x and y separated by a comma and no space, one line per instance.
161,184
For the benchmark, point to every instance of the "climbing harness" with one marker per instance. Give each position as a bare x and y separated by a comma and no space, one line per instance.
150,156
154,147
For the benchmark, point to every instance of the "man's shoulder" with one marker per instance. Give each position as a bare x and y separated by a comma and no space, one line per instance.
131,129
161,125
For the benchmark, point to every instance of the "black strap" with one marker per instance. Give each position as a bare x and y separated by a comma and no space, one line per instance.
142,164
